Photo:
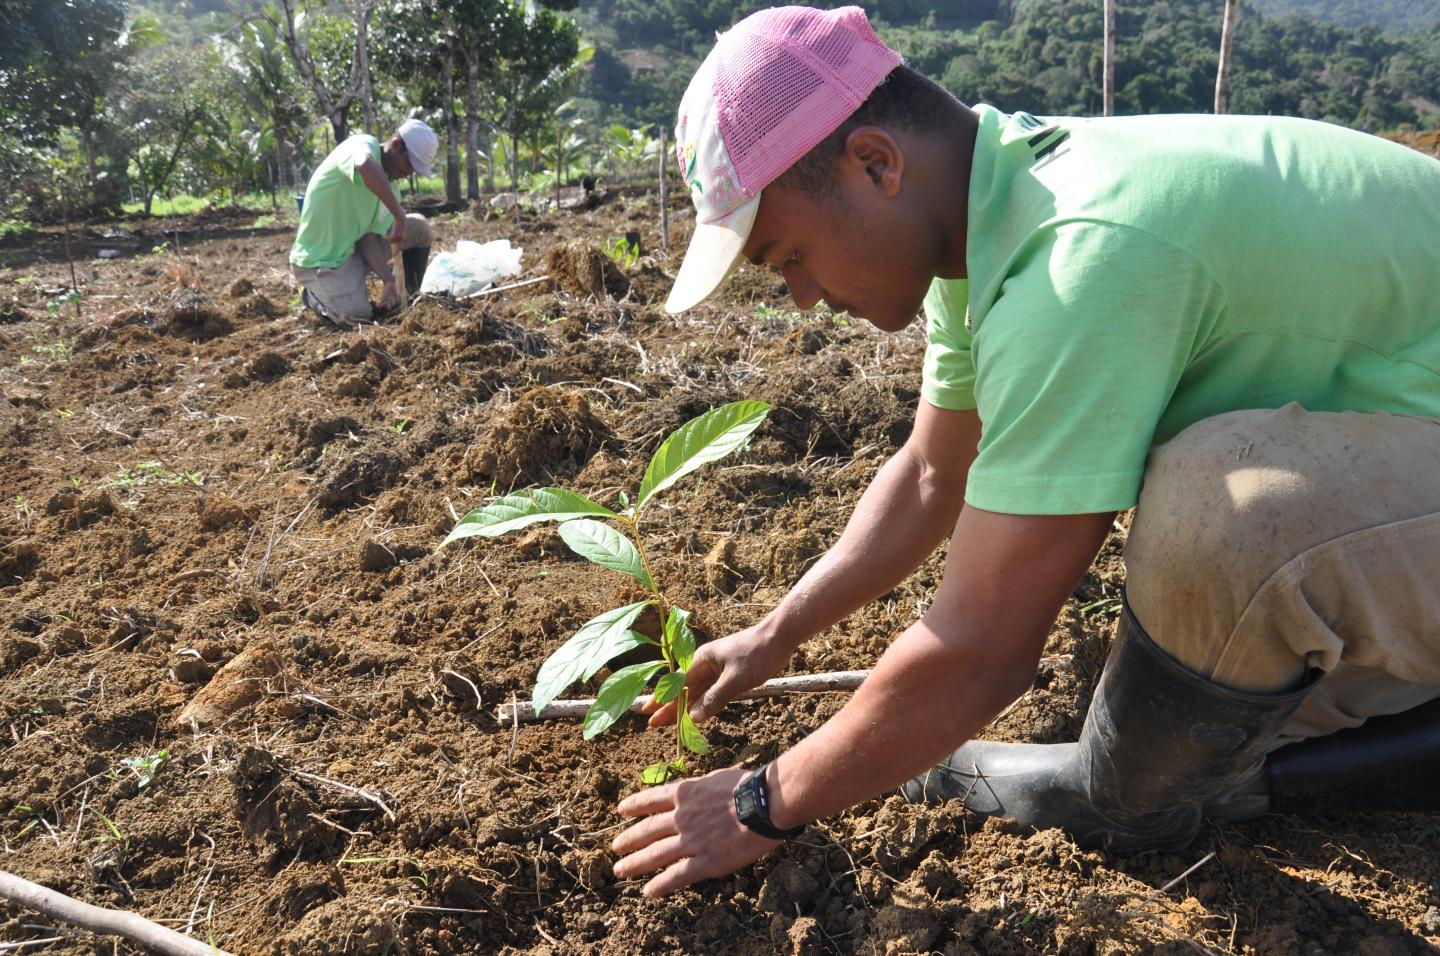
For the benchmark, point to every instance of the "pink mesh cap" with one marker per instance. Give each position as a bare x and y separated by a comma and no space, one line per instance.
770,90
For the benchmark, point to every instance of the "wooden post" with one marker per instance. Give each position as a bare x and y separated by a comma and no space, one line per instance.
74,282
1227,43
664,207
1108,83
557,165
397,266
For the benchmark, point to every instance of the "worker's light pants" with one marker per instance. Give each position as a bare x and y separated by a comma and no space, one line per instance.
1271,541
342,290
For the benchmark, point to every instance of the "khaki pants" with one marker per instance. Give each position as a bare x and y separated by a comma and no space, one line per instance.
342,290
1272,541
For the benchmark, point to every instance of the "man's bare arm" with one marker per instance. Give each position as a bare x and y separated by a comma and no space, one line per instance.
378,183
950,673
940,682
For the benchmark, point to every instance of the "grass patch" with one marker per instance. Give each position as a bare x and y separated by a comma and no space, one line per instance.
14,227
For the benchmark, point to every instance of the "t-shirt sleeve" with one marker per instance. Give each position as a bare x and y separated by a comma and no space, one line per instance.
948,379
1075,363
358,150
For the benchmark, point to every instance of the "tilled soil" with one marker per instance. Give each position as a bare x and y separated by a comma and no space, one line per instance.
219,541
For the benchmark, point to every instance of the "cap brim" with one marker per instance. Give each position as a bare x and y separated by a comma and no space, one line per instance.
713,254
419,169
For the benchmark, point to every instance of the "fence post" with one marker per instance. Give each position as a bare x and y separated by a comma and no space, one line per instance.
664,208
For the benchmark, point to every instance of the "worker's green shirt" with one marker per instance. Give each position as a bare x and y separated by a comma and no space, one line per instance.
1131,276
338,207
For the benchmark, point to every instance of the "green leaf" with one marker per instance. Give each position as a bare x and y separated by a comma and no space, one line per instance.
712,435
598,640
679,638
667,688
658,773
525,508
691,736
602,544
616,695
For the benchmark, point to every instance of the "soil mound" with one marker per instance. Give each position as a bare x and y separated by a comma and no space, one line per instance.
195,316
546,435
582,268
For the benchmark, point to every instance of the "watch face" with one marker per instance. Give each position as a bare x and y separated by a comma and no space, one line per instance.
745,803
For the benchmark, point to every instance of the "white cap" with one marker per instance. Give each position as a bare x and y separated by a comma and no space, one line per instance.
421,143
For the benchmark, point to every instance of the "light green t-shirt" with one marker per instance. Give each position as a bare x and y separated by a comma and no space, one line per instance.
338,207
1131,276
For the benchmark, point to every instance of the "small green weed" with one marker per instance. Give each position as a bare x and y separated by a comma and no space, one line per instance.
1107,606
400,426
771,314
153,472
143,767
622,251
113,834
57,351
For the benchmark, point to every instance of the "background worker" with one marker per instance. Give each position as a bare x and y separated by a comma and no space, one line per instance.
1232,321
350,218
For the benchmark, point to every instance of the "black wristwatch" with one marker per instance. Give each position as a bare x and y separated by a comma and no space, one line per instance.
752,806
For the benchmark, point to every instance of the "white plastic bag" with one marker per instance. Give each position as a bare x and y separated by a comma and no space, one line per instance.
470,268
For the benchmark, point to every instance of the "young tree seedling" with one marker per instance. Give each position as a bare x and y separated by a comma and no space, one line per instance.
704,439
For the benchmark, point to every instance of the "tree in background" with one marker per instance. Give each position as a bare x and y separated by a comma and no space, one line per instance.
268,87
333,98
168,96
56,63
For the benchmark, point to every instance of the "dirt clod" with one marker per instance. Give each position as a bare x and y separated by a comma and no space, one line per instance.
545,436
582,268
240,683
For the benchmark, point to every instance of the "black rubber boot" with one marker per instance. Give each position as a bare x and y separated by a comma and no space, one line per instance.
1158,740
1387,763
414,261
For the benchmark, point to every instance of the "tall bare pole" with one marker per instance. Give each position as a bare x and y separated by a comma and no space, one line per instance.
1227,42
664,207
1108,97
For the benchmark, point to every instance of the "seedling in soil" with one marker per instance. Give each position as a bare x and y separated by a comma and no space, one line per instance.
61,350
23,512
707,438
143,767
149,472
55,305
622,252
400,426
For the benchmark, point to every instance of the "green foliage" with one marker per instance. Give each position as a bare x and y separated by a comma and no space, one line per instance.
1389,14
704,439
1045,55
622,251
145,768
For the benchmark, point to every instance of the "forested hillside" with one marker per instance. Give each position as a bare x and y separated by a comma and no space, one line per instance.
1390,14
1045,55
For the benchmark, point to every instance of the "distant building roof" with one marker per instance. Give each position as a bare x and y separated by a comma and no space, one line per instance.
639,61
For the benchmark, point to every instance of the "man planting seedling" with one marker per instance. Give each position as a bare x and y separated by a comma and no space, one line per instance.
350,218
1231,322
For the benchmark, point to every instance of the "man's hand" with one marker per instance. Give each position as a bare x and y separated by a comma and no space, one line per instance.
723,670
690,831
389,296
396,235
